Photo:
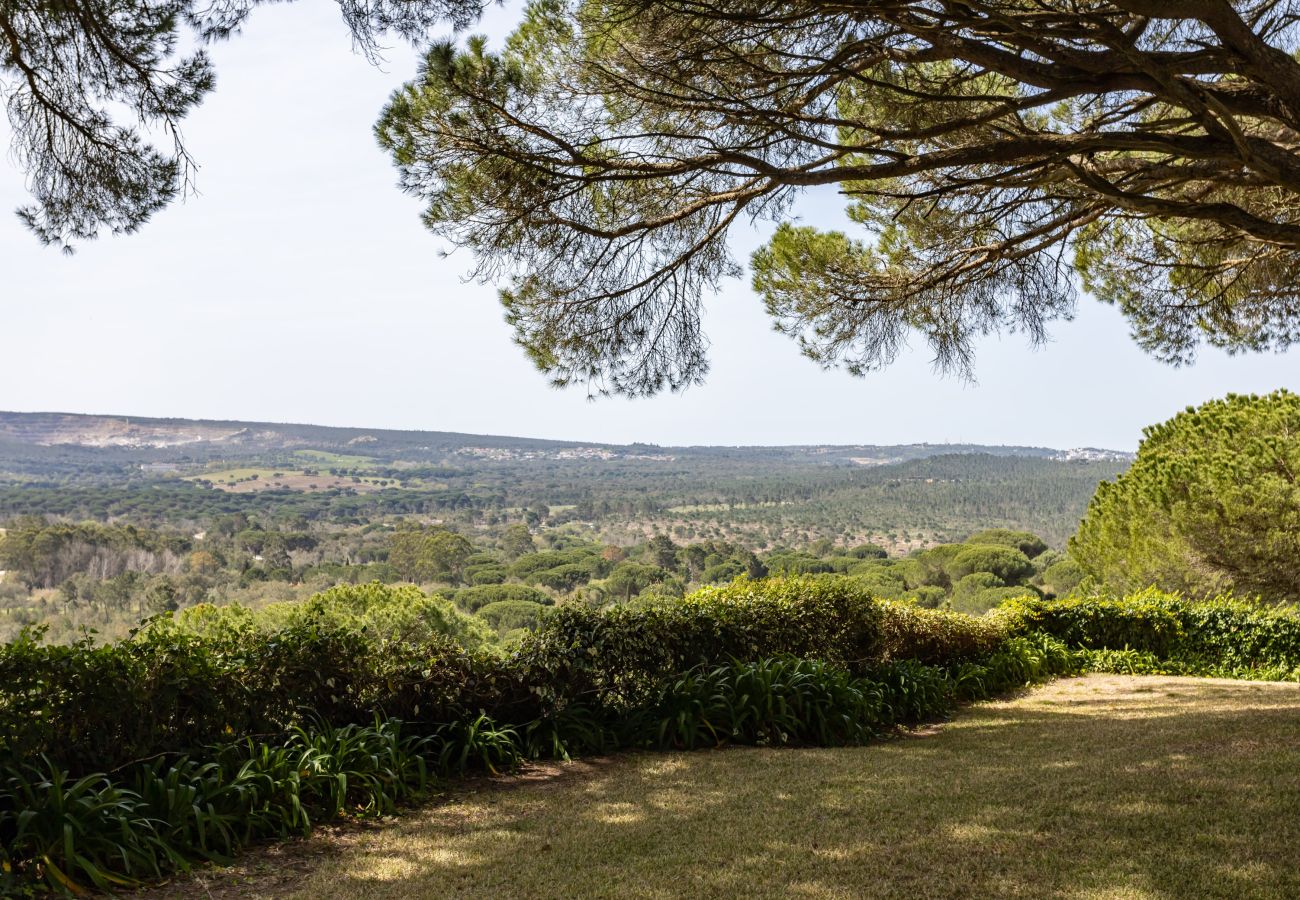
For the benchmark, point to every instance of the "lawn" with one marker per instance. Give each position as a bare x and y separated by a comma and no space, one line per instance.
1104,786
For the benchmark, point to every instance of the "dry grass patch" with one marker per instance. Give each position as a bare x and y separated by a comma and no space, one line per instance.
1104,786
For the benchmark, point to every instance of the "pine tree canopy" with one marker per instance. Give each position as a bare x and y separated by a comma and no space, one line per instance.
85,82
996,155
1211,504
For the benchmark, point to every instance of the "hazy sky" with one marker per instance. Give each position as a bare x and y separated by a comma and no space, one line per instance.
300,286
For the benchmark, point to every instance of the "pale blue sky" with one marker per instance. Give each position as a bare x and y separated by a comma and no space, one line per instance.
300,286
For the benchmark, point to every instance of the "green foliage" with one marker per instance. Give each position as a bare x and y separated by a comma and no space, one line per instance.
583,176
436,555
1223,636
1009,565
1031,545
773,701
797,563
563,578
621,657
508,615
628,579
913,691
867,551
936,637
1211,505
1128,662
472,599
389,613
516,541
232,732
169,690
476,743
1062,577
94,831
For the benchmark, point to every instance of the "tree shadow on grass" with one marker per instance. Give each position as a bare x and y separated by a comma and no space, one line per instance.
1176,789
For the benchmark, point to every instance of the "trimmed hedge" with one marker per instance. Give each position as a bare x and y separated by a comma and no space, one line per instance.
1223,637
89,708
935,636
621,657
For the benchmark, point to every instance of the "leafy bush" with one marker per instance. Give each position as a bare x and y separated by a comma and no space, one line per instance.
587,560
980,602
1028,543
1127,662
1008,564
387,612
476,743
168,690
936,637
789,563
1220,636
71,832
622,657
93,832
562,578
913,691
1018,662
224,729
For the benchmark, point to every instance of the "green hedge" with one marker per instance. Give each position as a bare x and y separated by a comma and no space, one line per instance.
621,657
936,637
1224,637
90,708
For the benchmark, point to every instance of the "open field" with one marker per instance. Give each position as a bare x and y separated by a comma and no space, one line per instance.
1104,786
254,479
336,460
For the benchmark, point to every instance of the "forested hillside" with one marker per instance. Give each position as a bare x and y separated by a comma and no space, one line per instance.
111,519
184,473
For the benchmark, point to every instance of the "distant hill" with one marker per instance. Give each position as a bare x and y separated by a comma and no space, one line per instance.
156,440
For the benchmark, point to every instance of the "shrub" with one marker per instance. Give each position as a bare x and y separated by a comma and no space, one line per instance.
488,574
69,832
867,551
168,690
588,559
93,832
980,602
914,692
790,563
225,728
390,613
1026,542
1223,635
1020,661
936,637
624,656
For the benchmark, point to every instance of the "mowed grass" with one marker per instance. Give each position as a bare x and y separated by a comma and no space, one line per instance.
1103,786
